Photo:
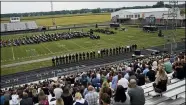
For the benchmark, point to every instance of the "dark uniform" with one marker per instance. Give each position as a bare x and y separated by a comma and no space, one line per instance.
77,57
87,55
70,58
53,62
107,52
120,50
73,58
66,59
110,51
63,59
57,60
91,55
114,51
94,54
117,50
83,56
60,59
80,56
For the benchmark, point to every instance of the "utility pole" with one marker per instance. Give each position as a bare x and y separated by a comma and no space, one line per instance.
53,19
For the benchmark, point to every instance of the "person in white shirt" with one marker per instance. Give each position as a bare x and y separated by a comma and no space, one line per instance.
58,91
15,99
123,82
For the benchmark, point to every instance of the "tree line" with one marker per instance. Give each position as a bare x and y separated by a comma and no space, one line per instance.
82,11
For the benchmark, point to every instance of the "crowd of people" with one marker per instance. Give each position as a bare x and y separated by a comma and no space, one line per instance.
116,84
36,39
104,31
91,55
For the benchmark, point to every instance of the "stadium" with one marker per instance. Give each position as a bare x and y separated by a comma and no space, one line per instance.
91,57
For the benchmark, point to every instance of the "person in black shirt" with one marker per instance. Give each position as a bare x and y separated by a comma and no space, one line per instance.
107,52
53,62
151,75
87,55
117,50
140,78
114,51
120,50
91,55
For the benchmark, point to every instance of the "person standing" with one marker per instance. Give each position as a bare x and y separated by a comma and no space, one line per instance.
91,97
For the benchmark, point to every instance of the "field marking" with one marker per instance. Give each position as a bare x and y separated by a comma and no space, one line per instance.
77,45
47,48
61,45
13,54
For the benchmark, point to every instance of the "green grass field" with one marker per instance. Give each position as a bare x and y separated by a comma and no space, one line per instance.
32,52
66,19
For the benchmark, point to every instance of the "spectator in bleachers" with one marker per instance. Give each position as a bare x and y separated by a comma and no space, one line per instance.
67,96
59,101
146,70
7,96
167,65
26,100
2,98
140,77
132,75
104,89
58,91
154,65
79,100
136,93
150,76
121,97
178,70
35,96
15,98
160,84
105,99
43,99
91,97
114,81
123,82
45,89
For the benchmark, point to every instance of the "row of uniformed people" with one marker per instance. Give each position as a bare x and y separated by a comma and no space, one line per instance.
72,58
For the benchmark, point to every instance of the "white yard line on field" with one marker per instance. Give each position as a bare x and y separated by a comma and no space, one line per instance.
13,54
77,45
61,46
47,48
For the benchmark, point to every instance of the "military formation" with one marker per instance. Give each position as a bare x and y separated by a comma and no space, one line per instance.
36,39
71,58
104,31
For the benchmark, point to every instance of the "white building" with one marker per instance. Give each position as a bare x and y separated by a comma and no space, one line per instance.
134,14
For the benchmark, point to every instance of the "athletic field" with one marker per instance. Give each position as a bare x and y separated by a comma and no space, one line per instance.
16,54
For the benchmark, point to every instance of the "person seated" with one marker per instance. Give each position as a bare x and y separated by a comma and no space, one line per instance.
79,100
121,97
160,84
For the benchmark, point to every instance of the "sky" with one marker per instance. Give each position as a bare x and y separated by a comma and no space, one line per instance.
22,7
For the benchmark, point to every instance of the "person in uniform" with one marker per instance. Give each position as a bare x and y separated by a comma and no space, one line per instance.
70,58
57,60
120,50
91,55
110,51
60,59
80,56
53,61
114,50
87,55
63,59
94,54
73,58
107,52
66,59
117,50
83,55
77,57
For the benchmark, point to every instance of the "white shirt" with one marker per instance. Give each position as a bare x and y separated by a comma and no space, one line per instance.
15,100
123,82
58,92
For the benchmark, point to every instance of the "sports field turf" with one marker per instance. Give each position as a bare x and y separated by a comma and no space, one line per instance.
66,19
30,52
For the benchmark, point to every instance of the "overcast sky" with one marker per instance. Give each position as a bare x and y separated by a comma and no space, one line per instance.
22,7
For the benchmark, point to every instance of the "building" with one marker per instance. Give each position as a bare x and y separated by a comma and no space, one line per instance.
134,16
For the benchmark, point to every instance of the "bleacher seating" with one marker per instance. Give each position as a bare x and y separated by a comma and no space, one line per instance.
18,26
